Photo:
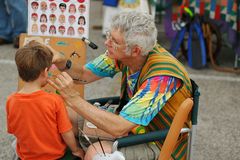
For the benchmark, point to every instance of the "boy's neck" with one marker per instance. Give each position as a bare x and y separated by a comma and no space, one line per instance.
30,87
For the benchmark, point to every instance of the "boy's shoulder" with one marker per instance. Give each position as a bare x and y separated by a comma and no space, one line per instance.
53,96
10,96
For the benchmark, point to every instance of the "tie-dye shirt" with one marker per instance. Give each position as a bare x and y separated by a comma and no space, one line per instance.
148,100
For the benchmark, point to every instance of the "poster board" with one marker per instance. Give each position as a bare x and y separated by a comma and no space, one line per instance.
59,18
73,49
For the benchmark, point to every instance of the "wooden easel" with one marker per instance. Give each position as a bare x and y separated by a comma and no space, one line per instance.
72,48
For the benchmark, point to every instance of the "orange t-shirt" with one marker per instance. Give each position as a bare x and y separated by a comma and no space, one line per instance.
37,120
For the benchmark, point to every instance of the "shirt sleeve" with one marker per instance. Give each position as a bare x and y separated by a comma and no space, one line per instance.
150,98
103,66
63,121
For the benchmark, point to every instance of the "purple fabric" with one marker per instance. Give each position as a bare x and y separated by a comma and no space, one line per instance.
167,21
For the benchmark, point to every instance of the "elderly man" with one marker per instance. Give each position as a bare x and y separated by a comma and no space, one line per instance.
153,85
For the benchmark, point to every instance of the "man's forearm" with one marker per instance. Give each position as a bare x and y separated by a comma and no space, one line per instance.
77,71
109,122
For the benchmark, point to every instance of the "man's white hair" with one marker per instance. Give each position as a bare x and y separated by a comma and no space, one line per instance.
138,29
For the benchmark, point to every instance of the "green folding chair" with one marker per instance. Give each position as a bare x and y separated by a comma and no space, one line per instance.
170,135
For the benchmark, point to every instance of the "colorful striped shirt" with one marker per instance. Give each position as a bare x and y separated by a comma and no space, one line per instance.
148,100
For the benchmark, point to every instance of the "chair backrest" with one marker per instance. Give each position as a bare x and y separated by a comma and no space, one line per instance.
175,128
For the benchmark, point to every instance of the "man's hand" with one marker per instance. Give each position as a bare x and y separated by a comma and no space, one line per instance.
64,84
58,59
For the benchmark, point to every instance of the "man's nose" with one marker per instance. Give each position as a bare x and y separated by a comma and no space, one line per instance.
107,43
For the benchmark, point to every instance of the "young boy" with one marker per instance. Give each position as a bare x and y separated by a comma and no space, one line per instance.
38,119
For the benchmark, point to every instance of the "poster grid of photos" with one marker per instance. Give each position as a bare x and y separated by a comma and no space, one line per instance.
58,18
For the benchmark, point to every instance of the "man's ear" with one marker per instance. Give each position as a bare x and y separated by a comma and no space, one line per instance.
136,50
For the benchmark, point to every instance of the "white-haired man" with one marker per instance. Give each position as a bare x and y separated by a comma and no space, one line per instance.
153,85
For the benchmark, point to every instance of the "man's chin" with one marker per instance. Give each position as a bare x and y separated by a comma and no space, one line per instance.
108,54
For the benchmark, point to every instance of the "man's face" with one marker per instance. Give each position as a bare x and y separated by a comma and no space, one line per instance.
116,45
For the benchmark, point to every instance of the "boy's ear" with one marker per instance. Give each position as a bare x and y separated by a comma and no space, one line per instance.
45,72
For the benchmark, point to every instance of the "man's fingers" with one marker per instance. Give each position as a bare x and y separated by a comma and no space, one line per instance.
53,84
60,83
57,57
66,76
61,77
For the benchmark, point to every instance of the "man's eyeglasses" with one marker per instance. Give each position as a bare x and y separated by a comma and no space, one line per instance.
113,42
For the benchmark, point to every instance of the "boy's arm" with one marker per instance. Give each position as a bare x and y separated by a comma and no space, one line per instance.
70,140
65,127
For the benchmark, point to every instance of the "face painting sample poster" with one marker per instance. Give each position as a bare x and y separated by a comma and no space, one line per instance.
58,18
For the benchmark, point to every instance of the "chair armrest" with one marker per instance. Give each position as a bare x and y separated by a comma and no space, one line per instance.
143,138
139,139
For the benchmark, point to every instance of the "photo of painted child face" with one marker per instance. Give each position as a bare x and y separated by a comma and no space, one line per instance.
80,31
71,19
72,9
43,6
34,17
81,20
43,28
34,5
61,30
43,18
34,28
52,18
70,31
61,19
62,7
82,8
52,29
53,7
